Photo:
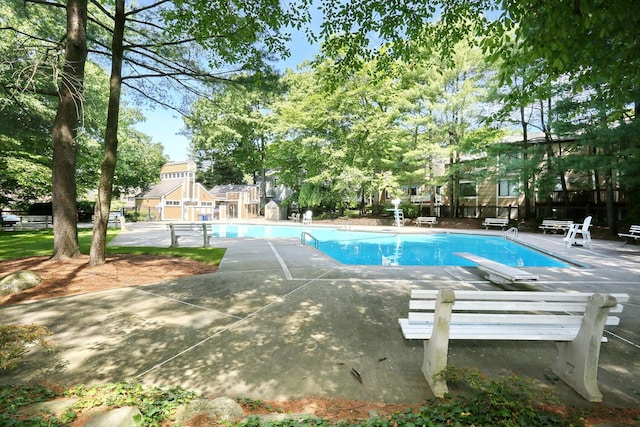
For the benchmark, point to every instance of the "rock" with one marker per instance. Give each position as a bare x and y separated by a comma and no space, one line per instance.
121,417
18,281
221,409
56,407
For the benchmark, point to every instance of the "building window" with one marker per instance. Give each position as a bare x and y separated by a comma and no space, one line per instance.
508,188
468,189
172,203
206,203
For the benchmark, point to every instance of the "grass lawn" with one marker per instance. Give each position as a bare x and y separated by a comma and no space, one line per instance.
20,244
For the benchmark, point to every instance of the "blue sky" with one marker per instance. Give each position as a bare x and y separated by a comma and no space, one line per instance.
164,125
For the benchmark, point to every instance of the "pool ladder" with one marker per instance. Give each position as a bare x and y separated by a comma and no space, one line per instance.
303,239
511,233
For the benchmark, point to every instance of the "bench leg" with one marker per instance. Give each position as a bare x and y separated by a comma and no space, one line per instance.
436,349
577,362
205,236
174,238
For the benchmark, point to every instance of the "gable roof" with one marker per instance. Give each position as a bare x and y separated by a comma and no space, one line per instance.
230,188
164,187
183,166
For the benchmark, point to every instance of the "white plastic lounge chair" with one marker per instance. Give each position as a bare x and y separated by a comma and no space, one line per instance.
579,229
307,217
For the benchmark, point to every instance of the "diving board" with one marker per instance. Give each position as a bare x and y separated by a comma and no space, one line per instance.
497,272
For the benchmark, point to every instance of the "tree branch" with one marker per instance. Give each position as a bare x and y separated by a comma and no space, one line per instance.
150,6
47,3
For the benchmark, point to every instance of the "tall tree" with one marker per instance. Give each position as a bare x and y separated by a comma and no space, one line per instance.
586,41
107,170
336,144
179,43
65,131
162,49
230,127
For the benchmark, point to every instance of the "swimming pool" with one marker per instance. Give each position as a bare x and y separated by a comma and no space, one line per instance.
370,248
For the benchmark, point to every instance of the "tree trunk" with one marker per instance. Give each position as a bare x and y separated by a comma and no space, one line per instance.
64,133
525,176
107,170
611,218
453,202
263,174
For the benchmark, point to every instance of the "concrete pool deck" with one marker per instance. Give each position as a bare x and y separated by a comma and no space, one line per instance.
280,320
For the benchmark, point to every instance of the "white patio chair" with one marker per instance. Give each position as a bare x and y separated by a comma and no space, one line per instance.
579,229
307,217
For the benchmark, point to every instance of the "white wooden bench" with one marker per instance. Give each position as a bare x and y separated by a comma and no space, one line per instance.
633,233
575,321
430,220
497,272
36,222
496,222
113,221
555,225
295,217
190,229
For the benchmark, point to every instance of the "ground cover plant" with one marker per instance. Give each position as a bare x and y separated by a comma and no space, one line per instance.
506,401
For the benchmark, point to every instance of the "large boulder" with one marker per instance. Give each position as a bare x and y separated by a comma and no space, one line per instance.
221,409
18,281
119,417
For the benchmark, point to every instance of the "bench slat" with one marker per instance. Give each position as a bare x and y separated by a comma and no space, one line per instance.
504,306
633,233
534,332
513,296
511,306
422,318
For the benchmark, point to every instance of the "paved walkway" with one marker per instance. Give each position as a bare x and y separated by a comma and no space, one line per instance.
280,320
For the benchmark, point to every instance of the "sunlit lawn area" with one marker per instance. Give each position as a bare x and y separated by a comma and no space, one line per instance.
20,244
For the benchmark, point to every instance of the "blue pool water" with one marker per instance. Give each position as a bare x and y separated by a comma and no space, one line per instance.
367,248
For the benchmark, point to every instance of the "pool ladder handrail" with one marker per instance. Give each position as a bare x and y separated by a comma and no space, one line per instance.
304,241
511,233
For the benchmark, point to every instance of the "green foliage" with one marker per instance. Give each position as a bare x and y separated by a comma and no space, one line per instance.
255,404
14,397
507,401
154,403
337,144
218,172
14,340
139,159
230,129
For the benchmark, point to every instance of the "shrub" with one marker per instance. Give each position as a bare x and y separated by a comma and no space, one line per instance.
507,401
